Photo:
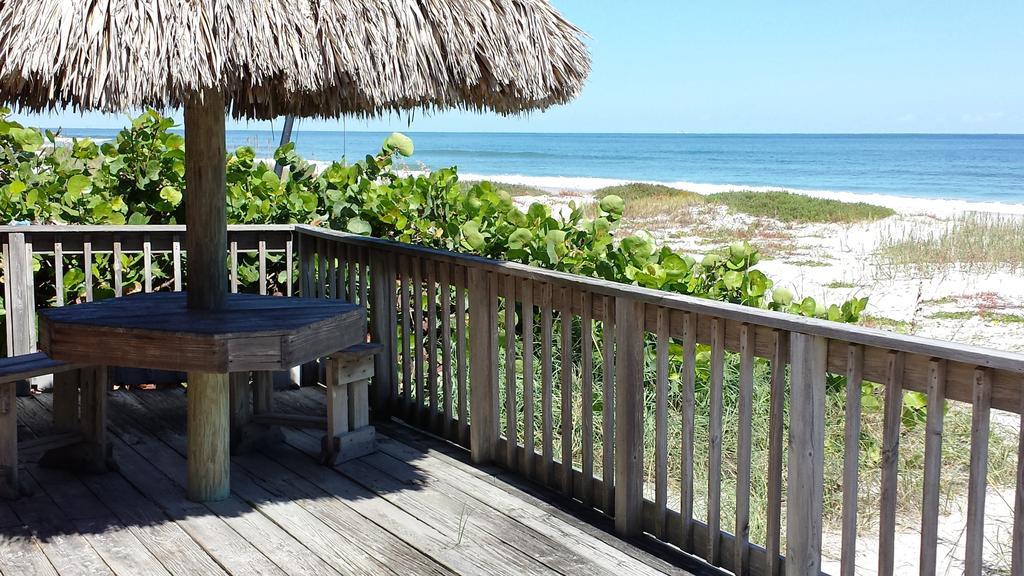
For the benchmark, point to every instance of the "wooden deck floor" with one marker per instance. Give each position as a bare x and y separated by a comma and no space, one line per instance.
414,507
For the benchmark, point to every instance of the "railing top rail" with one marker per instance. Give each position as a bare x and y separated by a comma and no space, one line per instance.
129,229
966,353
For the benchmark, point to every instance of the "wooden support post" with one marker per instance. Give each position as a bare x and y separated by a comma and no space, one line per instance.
349,434
93,389
629,396
483,374
18,279
308,373
66,400
382,329
241,408
263,392
805,487
208,437
9,483
206,204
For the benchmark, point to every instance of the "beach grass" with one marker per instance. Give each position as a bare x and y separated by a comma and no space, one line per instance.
654,201
976,241
986,315
513,189
797,208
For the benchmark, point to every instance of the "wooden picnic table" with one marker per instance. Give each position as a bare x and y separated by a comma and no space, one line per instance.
157,330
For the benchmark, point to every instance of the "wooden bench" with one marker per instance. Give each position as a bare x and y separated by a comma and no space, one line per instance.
348,431
79,414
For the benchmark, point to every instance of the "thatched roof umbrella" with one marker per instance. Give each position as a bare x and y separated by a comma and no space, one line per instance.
260,60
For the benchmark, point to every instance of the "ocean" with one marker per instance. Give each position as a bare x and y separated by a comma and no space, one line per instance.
978,169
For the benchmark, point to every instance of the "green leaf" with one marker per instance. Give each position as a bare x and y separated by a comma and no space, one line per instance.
78,185
359,226
171,194
398,142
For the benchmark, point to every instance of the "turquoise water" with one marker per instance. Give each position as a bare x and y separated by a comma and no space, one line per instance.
976,168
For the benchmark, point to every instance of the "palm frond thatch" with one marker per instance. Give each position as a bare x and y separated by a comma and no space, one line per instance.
320,58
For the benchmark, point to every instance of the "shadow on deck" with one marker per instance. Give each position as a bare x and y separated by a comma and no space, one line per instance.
414,507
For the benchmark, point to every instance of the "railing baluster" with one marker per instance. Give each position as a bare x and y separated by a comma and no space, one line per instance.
566,389
805,485
932,467
353,295
147,263
58,272
460,353
364,278
233,251
608,403
511,440
741,552
547,387
118,270
715,440
587,405
87,267
661,424
288,265
689,380
446,349
406,339
431,277
776,415
982,400
176,262
417,329
893,412
851,457
529,449
1017,553
321,270
262,256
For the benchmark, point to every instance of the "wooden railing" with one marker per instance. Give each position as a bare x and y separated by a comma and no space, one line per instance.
567,380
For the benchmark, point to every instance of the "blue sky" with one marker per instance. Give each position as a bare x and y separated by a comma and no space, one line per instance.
797,66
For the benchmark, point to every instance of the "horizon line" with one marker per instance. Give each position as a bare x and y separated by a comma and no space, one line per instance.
588,133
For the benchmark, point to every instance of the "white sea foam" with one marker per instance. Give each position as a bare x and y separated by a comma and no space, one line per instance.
901,204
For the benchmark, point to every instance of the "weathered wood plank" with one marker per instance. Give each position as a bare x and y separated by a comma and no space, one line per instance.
529,426
806,454
205,205
431,344
629,378
444,279
587,394
980,425
893,412
932,467
483,329
741,549
608,403
417,331
776,415
547,392
461,371
688,392
851,457
511,424
716,389
661,425
565,389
